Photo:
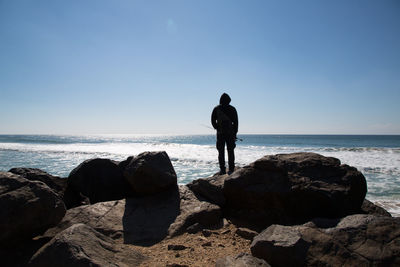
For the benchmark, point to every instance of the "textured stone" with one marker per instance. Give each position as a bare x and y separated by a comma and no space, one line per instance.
144,220
80,245
56,183
28,208
98,179
150,173
293,189
210,188
357,240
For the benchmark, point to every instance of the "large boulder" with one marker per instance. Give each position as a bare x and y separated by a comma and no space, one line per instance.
292,189
56,183
28,208
81,245
144,220
210,188
357,240
150,173
99,180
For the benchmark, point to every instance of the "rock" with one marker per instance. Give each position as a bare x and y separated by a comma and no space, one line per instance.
225,222
80,245
56,183
98,179
206,232
206,244
176,247
202,239
70,197
246,233
292,189
104,217
357,240
194,228
193,210
370,208
281,246
144,220
139,220
150,173
241,260
123,164
28,208
210,188
73,198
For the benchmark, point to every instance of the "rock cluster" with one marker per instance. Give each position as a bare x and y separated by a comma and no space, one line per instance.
144,220
104,180
357,240
80,245
297,209
28,208
286,189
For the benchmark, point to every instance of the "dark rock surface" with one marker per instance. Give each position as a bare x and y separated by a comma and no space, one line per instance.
99,180
357,240
144,220
28,208
194,210
281,246
19,254
54,182
80,245
292,189
370,208
150,173
241,260
246,233
176,247
210,188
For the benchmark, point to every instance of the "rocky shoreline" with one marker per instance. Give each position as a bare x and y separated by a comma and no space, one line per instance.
299,209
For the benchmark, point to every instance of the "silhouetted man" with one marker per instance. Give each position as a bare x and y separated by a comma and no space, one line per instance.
224,119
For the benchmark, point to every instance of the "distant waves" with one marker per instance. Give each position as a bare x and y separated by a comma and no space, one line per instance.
195,156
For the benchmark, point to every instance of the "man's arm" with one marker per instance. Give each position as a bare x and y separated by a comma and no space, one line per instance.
235,121
214,118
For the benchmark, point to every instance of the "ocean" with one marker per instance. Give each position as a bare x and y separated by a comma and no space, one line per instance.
195,156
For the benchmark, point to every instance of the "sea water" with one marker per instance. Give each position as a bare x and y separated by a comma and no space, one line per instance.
195,156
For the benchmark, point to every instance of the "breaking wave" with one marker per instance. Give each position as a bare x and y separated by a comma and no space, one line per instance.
196,156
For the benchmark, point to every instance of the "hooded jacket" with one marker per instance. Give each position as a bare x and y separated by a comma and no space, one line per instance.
222,111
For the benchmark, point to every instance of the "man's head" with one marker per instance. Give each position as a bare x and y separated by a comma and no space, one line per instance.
225,99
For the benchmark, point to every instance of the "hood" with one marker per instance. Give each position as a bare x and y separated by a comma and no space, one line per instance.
225,99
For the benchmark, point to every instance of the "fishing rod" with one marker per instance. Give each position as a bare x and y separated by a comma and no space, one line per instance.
206,126
202,124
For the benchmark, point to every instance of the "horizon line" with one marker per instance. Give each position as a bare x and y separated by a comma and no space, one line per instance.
183,134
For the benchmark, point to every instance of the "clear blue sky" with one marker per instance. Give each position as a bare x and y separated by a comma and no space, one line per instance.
298,67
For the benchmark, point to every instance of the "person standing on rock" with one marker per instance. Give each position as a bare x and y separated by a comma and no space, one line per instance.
224,119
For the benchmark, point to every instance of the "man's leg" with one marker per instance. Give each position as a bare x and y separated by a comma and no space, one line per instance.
221,153
230,143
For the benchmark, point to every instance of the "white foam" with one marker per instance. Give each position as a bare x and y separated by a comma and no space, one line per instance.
381,166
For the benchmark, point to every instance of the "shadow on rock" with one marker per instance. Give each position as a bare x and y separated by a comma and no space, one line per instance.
146,220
